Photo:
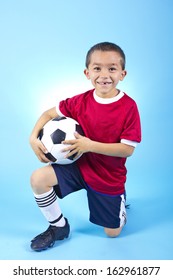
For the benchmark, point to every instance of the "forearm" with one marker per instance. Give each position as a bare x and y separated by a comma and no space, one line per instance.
113,149
39,125
44,118
83,144
35,143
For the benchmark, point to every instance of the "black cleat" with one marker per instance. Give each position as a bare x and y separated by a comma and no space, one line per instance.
47,239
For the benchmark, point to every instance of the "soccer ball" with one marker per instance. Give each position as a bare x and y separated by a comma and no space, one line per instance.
53,133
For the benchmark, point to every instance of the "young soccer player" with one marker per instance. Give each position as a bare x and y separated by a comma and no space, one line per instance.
111,124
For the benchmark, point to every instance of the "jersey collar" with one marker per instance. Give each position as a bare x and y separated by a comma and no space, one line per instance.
107,100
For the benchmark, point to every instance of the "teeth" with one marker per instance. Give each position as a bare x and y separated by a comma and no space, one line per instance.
105,83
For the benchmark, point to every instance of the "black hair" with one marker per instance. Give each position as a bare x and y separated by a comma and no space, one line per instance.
105,46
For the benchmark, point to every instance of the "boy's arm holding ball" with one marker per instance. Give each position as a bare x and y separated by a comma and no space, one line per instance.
37,146
82,145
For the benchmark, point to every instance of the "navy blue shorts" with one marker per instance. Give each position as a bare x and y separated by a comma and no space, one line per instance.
105,210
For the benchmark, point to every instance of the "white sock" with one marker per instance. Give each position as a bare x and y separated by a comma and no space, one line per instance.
48,205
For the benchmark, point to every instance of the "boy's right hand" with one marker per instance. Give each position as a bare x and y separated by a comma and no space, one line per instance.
39,149
37,146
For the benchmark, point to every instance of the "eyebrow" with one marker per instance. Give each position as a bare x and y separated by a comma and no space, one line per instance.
111,64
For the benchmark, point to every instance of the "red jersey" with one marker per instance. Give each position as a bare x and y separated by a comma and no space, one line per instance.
110,120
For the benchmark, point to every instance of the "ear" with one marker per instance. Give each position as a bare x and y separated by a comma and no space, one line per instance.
86,72
123,74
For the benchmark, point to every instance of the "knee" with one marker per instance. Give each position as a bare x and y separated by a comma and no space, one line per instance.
113,232
37,181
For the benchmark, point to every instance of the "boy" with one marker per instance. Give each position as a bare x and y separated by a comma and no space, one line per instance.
111,125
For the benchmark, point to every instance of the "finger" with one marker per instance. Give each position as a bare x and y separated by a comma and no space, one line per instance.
77,155
42,157
69,148
69,142
77,135
65,147
71,153
43,148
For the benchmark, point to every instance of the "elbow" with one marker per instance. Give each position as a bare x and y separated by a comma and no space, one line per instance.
130,151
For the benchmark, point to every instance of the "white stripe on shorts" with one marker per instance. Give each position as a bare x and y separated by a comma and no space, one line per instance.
122,214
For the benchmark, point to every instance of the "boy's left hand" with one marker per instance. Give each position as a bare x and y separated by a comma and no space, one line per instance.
77,146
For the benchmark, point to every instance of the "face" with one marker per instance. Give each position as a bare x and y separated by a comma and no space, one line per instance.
105,71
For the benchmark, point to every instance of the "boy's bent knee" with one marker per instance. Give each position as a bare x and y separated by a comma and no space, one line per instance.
36,180
43,179
113,232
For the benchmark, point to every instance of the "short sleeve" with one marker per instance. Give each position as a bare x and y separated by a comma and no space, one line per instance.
132,127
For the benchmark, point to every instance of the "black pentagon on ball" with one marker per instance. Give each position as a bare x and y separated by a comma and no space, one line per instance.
72,157
59,119
40,135
58,136
50,157
79,129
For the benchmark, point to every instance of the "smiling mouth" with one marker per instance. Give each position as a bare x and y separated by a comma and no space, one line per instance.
104,83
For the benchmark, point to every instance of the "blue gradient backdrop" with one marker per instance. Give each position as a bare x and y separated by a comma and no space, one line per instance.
42,54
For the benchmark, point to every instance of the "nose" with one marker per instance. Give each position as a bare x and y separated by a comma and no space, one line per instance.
104,73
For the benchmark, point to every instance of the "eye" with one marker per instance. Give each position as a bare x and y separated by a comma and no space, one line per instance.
112,69
97,69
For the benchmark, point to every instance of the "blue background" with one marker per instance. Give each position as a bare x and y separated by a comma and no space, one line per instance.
42,55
